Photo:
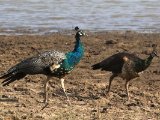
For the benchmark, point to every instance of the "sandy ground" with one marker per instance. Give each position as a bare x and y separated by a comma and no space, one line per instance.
22,100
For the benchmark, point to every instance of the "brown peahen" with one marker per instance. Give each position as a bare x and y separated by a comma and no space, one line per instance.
125,65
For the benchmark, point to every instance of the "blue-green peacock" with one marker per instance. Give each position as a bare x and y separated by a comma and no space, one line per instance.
50,63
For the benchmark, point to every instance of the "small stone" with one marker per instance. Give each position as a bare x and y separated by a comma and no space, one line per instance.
104,110
111,42
5,96
94,110
24,117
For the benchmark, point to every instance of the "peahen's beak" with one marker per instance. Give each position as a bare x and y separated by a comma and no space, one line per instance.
155,53
154,49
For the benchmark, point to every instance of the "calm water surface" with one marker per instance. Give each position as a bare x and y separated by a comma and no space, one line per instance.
44,16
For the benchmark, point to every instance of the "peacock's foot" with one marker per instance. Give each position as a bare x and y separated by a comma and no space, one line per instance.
105,93
45,105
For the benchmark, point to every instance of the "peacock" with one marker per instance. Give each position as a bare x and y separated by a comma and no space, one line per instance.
125,65
50,63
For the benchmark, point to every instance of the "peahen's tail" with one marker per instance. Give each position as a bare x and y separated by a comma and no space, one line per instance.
96,66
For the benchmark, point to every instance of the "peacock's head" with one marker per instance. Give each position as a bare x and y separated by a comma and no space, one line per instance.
154,52
79,32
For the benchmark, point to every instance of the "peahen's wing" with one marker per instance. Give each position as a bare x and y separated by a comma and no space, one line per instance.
128,69
37,64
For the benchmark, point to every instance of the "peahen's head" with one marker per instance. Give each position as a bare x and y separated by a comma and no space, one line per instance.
79,32
154,52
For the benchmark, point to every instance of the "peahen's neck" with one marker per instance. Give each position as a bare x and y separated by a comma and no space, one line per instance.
75,56
144,64
148,61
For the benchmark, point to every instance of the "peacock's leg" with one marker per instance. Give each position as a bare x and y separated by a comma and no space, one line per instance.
126,85
62,83
46,92
110,81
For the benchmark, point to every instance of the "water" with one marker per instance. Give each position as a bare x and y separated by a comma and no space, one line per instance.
44,16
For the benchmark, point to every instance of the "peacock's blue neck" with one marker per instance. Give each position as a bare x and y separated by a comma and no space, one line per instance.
78,46
75,56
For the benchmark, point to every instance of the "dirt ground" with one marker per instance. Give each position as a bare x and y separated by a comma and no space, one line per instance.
22,100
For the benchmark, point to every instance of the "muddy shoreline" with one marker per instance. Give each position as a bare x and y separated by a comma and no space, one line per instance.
83,85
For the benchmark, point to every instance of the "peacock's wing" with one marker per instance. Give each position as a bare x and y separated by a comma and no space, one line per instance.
37,64
51,57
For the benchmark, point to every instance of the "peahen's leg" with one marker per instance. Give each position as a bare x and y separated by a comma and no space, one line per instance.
126,86
110,81
62,83
46,92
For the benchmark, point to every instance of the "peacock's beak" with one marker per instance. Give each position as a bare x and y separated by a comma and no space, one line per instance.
85,34
82,33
